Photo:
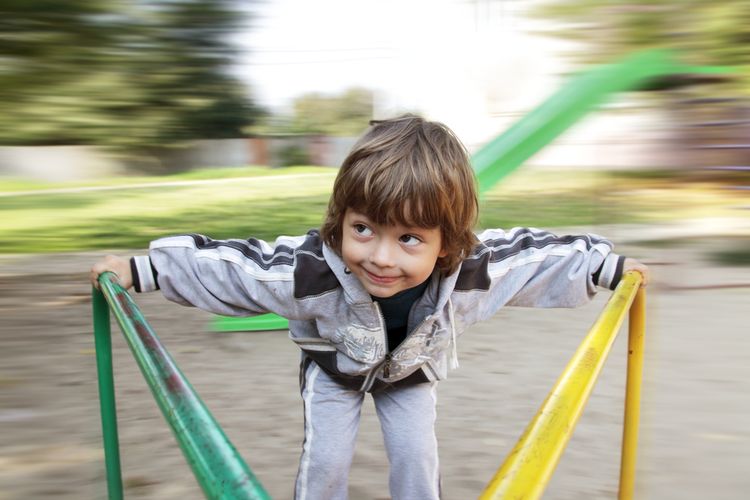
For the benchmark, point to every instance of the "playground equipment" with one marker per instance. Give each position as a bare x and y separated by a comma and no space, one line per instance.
223,474
219,469
530,465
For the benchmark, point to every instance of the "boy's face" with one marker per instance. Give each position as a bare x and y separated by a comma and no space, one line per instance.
388,259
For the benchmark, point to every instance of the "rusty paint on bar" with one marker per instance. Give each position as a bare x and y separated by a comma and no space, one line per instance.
217,466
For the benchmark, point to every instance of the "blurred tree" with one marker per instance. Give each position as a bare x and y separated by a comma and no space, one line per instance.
133,75
346,114
704,32
293,155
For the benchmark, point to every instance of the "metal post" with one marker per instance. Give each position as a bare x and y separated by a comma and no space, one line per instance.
103,344
636,334
529,467
219,469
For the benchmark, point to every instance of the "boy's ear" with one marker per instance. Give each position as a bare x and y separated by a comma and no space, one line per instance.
442,253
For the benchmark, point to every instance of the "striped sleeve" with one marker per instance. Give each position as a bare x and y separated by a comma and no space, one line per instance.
230,277
610,272
144,274
533,268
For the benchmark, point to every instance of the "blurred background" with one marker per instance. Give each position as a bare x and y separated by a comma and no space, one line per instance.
124,121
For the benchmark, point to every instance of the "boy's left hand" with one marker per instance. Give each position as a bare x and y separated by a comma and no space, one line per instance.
114,264
634,265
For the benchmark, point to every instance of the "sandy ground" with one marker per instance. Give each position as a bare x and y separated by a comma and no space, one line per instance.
695,441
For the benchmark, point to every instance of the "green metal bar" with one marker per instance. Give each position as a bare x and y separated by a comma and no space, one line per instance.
103,344
579,96
219,469
252,324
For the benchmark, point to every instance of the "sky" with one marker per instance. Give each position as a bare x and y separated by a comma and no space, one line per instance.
464,62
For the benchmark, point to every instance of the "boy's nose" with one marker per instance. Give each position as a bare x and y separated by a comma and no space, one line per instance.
382,255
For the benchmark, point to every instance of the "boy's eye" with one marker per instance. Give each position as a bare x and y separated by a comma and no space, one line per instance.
410,240
362,230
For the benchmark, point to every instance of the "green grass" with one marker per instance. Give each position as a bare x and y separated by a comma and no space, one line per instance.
291,201
11,185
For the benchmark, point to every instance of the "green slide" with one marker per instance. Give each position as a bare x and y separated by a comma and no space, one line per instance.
582,94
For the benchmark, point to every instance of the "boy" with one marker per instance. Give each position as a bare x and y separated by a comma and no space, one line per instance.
377,298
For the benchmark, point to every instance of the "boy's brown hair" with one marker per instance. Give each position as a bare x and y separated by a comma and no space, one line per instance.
412,172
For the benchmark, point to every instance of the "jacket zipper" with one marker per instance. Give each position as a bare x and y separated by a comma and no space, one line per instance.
387,364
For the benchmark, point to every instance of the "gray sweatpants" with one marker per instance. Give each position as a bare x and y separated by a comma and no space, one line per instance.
407,419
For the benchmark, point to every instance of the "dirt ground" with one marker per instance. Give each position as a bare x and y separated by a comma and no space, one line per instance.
695,441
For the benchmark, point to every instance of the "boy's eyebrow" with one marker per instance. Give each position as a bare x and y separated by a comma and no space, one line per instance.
407,227
414,229
359,215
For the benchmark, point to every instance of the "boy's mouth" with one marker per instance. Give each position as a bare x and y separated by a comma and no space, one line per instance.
381,280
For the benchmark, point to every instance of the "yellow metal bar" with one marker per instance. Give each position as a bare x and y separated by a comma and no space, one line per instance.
528,468
636,333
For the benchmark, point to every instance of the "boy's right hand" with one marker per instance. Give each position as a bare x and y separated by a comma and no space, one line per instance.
117,265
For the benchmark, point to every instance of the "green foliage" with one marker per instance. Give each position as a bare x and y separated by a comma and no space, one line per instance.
293,155
130,75
346,114
704,32
288,201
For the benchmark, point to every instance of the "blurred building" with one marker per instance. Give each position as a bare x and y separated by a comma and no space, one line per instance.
67,163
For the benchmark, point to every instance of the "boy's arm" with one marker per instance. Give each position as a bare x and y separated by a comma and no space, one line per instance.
533,268
231,277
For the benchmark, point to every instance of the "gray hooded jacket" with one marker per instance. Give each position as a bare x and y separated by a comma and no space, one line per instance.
333,318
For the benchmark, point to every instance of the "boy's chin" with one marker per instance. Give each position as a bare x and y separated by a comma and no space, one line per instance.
382,292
